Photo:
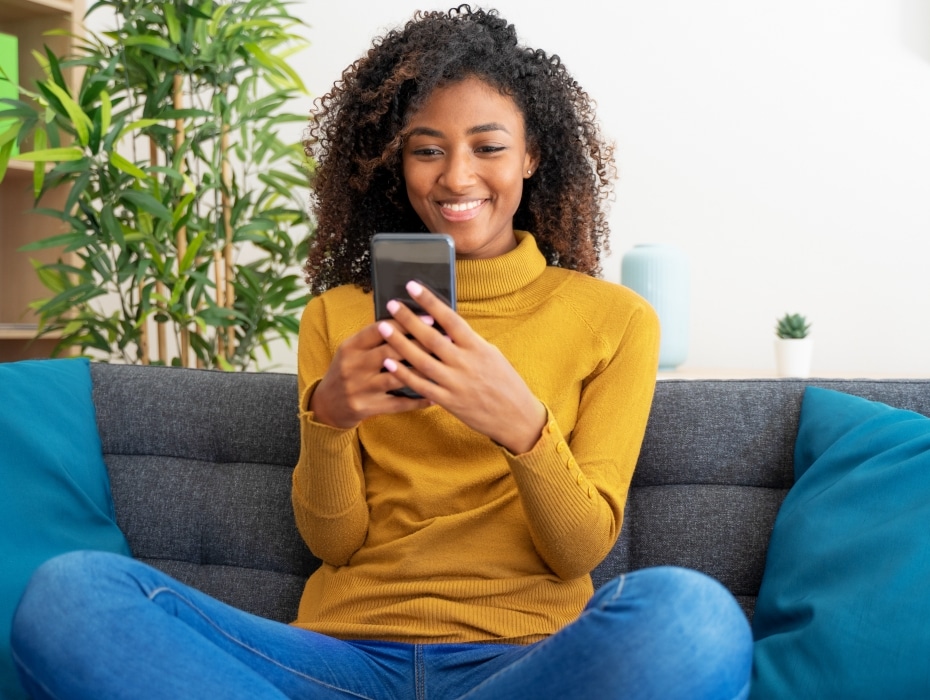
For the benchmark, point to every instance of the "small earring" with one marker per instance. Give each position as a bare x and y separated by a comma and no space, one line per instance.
529,172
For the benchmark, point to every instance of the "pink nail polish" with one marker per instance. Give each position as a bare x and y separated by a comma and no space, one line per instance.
415,288
428,320
390,365
392,306
385,329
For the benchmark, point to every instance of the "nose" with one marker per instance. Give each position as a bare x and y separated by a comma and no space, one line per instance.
458,172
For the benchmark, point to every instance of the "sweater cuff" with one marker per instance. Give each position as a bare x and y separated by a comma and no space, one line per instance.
327,473
552,459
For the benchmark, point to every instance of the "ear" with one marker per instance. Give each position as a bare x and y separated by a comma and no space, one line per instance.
530,163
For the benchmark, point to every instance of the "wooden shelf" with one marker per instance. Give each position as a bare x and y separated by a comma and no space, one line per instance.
13,10
17,331
29,21
15,167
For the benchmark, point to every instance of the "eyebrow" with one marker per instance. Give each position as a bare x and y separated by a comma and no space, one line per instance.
479,129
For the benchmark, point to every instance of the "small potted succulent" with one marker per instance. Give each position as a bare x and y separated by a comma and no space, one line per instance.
793,346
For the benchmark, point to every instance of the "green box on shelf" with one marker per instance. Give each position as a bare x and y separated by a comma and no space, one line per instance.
9,62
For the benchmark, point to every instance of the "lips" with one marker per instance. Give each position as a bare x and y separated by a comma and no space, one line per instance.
461,211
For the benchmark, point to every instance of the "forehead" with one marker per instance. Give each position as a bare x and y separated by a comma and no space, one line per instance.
468,102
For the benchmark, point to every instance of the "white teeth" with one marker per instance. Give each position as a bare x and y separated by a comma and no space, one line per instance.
463,206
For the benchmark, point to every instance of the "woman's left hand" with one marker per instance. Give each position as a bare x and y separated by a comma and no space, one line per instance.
469,377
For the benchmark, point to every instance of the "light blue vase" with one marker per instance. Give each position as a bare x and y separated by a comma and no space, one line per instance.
661,274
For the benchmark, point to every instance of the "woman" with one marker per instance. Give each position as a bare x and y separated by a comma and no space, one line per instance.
458,530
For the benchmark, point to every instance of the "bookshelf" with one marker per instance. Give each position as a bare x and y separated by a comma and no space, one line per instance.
28,21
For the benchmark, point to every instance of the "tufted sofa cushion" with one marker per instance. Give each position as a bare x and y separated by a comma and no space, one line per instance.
200,466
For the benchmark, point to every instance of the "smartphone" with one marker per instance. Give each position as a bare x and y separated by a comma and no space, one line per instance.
397,258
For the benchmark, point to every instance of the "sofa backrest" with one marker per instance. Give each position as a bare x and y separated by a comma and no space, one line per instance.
200,465
200,468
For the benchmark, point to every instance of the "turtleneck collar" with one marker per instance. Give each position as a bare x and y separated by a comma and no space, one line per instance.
480,280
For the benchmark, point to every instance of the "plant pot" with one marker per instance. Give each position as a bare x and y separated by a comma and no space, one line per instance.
793,357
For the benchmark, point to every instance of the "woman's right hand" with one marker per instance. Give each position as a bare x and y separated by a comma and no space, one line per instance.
355,387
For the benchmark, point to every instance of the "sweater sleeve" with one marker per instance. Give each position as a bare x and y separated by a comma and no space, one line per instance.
328,489
573,489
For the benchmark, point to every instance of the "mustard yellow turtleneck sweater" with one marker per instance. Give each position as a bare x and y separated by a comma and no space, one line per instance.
430,532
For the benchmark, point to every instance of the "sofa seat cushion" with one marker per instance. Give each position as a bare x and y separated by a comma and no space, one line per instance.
54,487
843,606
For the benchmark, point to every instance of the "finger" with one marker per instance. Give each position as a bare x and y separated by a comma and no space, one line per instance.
367,338
405,376
407,329
423,349
453,324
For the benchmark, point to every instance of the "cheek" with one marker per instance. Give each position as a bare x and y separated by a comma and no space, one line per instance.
415,182
513,185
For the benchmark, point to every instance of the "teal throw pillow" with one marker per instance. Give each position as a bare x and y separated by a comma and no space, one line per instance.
844,607
54,487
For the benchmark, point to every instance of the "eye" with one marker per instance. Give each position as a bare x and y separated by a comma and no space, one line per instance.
490,149
426,152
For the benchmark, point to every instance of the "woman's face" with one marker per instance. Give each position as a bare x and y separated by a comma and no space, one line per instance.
465,159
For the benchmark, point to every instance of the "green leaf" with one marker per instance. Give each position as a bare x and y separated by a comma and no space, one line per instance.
64,239
137,125
127,167
9,135
39,141
111,225
147,203
154,45
54,69
52,154
51,279
192,250
5,152
106,112
171,19
80,121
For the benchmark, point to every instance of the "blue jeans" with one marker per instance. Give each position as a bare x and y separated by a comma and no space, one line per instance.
95,625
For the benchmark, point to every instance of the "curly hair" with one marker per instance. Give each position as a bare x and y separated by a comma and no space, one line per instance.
356,136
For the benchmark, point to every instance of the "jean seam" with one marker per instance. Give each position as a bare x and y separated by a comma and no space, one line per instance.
163,589
419,672
22,667
743,691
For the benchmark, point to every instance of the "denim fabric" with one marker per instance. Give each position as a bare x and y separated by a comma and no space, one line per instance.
96,625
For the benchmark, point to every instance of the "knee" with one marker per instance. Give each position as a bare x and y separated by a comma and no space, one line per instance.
70,571
694,600
62,584
685,610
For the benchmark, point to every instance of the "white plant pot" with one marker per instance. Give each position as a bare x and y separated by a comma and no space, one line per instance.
793,356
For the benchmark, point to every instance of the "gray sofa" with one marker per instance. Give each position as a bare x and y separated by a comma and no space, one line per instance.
200,466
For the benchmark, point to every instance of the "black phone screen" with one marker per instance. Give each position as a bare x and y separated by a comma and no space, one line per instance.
397,258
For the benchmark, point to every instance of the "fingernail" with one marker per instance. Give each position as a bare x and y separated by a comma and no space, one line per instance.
390,365
415,288
385,329
428,320
392,306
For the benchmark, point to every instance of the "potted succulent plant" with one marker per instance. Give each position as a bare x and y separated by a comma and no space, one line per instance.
793,346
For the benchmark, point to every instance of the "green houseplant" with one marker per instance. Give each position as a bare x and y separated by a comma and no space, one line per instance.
792,326
186,221
793,346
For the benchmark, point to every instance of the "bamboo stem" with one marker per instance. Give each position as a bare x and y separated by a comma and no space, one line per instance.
230,296
161,336
182,232
144,329
218,267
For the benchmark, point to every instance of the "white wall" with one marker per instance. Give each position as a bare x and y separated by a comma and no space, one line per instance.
784,144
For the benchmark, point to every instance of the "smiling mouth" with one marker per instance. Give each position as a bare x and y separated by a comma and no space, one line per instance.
460,212
459,207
